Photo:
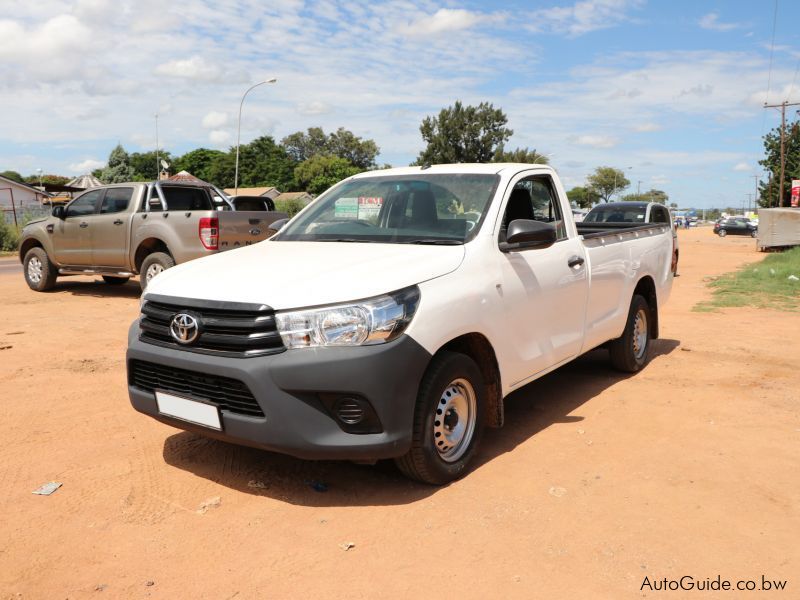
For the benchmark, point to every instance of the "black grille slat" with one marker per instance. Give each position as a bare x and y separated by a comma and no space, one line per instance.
226,332
228,394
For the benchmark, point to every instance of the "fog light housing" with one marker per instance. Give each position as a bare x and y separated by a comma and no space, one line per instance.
352,413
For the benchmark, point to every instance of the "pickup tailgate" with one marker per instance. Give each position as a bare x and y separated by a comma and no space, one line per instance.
243,228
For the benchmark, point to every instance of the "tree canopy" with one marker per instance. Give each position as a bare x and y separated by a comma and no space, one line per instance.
320,172
583,196
520,155
652,195
13,176
145,165
463,134
198,162
606,181
342,143
770,189
119,169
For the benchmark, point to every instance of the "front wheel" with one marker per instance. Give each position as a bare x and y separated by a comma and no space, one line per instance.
630,352
722,233
448,420
40,273
754,233
152,265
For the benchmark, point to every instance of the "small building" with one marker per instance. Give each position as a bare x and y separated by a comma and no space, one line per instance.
186,177
269,192
16,197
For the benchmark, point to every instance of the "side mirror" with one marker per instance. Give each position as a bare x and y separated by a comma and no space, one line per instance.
276,225
525,233
59,212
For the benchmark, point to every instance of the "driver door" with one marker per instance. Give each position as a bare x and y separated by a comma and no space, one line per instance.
72,241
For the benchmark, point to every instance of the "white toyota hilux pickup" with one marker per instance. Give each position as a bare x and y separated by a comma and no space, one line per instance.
390,318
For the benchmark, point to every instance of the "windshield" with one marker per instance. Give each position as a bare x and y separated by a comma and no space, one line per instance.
616,214
422,209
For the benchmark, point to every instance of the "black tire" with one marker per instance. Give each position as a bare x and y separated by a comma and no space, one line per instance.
111,280
628,352
722,233
40,273
754,233
452,381
152,265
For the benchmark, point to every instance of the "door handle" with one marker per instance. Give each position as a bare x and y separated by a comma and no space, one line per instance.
84,224
118,222
575,261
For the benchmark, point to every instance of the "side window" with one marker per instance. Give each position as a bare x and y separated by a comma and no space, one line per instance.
660,215
535,198
84,205
116,200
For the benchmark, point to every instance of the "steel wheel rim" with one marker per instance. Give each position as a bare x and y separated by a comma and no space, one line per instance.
35,269
455,419
640,334
153,270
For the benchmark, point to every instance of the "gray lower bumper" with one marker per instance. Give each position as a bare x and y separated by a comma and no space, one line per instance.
289,387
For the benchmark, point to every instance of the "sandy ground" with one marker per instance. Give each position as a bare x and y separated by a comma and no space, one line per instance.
597,481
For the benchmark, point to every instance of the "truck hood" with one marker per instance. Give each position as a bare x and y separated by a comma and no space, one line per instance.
286,275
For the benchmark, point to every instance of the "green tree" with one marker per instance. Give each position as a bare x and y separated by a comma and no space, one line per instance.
145,165
462,134
651,196
583,196
318,173
261,163
606,181
770,189
13,176
520,155
119,169
199,163
342,143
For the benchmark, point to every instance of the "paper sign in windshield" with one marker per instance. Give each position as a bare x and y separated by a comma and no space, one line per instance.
362,208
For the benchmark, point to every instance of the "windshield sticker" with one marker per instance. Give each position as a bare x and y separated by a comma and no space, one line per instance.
369,207
346,208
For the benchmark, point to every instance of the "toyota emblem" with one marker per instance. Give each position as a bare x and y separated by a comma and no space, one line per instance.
255,231
184,328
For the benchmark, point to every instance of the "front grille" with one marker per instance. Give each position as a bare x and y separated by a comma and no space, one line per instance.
228,394
240,330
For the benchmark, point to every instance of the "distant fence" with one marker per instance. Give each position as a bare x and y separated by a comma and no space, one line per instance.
25,213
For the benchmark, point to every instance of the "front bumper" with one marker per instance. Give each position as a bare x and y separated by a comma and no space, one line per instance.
290,388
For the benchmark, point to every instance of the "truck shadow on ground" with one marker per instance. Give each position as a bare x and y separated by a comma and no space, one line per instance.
97,288
547,401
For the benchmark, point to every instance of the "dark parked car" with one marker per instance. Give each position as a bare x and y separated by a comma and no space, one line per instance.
735,226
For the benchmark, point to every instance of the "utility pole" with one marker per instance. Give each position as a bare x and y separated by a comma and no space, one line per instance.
782,106
638,187
757,180
158,162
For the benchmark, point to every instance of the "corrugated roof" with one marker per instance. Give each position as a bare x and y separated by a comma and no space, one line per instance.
186,177
85,182
251,191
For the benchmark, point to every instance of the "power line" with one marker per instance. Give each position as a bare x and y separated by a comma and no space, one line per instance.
771,53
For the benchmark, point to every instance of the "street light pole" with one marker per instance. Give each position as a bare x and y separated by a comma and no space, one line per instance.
239,130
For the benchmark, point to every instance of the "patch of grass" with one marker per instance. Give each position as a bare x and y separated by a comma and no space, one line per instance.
764,285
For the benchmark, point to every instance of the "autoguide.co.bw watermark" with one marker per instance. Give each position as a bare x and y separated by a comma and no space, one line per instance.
689,583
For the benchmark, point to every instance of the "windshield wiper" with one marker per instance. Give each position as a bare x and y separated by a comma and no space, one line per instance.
434,242
345,240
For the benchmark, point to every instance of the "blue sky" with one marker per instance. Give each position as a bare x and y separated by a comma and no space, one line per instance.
671,92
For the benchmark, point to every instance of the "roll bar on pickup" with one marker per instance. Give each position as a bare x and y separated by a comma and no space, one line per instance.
159,192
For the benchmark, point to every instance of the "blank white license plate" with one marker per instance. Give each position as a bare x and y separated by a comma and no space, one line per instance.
188,410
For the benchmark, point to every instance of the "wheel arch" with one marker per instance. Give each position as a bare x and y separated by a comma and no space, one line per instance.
28,243
646,288
147,247
479,349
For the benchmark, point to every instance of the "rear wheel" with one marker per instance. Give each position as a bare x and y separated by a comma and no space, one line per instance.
448,420
40,273
110,279
152,265
630,352
754,233
722,233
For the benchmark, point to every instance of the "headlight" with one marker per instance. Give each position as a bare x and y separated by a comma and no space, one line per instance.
373,321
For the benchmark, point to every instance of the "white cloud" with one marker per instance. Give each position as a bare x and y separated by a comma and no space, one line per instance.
742,166
711,21
219,138
194,68
446,19
647,127
659,180
582,17
215,120
313,108
85,166
596,141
